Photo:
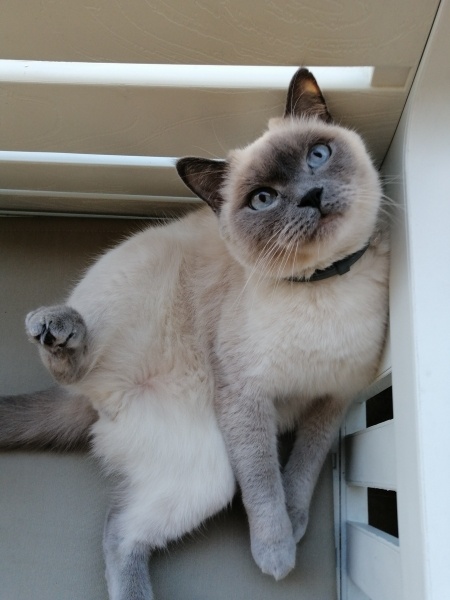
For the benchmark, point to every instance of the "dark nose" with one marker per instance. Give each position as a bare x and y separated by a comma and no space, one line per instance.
311,198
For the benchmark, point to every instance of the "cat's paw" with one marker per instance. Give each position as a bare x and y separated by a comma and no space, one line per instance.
299,519
277,558
55,327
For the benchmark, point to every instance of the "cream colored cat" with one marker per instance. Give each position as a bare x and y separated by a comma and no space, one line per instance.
185,350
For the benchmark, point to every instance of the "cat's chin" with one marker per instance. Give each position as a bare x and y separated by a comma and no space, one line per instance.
319,229
327,225
317,226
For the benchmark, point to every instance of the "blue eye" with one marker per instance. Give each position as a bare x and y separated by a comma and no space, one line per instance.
318,155
263,198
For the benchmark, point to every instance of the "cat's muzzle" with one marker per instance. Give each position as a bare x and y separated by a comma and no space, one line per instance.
312,198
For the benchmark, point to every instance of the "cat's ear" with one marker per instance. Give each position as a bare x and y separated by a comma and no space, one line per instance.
205,178
305,99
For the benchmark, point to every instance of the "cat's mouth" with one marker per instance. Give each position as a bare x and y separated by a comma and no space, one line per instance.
312,199
318,224
328,222
329,211
329,217
319,208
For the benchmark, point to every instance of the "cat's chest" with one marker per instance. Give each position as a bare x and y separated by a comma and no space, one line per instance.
307,342
293,330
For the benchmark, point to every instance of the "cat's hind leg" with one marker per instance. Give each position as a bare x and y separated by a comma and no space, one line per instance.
173,475
61,336
127,572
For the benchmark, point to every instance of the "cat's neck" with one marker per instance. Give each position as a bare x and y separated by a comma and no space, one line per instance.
340,267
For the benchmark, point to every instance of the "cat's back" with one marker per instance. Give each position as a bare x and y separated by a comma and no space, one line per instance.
145,272
137,301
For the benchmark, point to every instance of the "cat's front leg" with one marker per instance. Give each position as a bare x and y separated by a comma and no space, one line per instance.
248,423
61,336
315,435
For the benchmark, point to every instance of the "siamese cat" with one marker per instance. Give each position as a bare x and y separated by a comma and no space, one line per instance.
185,350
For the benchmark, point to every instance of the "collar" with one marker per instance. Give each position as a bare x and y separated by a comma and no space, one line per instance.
340,267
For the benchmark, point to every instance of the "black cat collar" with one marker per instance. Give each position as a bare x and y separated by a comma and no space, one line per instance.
340,267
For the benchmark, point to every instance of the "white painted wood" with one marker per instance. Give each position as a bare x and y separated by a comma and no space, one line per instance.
420,321
356,507
382,381
373,562
364,461
380,384
370,457
355,419
353,592
385,367
96,160
182,76
113,205
39,171
173,121
77,139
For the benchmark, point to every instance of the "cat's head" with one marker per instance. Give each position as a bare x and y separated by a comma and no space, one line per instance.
300,197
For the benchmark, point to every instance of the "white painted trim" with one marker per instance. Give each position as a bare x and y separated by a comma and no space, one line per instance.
370,457
420,323
44,194
69,158
381,383
154,75
417,569
374,562
93,204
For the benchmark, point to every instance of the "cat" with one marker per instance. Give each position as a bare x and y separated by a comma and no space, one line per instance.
185,350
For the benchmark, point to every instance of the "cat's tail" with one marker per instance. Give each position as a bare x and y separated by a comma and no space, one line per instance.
51,418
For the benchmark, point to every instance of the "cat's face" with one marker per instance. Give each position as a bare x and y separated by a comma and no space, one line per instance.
298,198
302,195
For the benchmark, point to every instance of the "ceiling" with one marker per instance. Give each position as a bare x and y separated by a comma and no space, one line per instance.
98,97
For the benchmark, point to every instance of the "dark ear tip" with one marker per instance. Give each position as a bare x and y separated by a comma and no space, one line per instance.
303,72
304,75
204,177
305,97
181,165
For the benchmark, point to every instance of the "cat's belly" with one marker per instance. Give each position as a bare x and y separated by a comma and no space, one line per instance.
166,443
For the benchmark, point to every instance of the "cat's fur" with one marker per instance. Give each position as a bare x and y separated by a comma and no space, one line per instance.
185,350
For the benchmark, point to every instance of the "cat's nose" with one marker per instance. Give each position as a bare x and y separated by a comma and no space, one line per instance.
312,198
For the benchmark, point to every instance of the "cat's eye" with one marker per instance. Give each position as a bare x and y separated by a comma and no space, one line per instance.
263,198
318,155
